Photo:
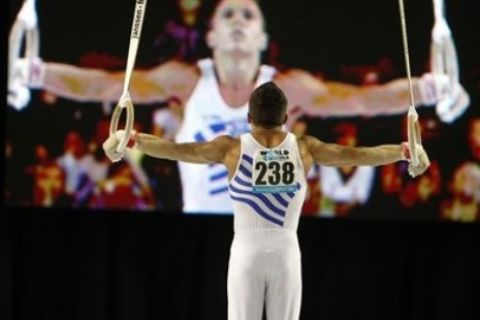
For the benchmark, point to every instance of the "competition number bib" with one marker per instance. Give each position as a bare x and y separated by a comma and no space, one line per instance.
273,171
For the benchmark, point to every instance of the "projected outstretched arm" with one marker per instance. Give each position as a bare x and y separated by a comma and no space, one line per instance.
314,96
148,86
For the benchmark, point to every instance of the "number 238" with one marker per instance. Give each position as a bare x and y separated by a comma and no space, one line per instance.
274,173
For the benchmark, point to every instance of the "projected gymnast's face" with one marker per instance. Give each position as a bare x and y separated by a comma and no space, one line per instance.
237,26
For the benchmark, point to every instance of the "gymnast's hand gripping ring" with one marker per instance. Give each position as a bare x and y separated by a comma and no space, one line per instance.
124,103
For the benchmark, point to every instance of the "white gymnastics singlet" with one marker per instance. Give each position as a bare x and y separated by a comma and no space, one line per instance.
207,116
267,191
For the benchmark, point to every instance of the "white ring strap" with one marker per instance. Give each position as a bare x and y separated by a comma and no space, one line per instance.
125,101
413,127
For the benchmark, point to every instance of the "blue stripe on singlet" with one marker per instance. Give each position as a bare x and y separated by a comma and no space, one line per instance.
292,194
257,209
260,197
280,199
247,158
245,171
242,182
275,205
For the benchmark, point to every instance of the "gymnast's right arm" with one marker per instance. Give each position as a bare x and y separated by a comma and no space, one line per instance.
214,151
330,154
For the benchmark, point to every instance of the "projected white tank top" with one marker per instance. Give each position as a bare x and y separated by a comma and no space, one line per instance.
269,185
206,116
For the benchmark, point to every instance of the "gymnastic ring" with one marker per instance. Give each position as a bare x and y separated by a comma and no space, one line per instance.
124,103
414,135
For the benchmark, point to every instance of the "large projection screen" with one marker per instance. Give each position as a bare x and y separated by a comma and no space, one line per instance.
348,53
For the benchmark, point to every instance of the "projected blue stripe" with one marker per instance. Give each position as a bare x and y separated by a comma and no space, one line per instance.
199,137
218,190
258,210
218,176
218,127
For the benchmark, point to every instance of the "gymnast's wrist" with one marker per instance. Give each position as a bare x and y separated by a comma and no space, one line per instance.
133,140
404,151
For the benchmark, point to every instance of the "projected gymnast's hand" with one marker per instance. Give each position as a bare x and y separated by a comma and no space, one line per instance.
25,74
18,95
451,99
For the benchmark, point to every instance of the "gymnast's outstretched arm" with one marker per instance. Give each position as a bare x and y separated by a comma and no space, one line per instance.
214,151
331,154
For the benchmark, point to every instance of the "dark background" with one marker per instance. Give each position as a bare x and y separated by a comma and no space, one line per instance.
73,264
118,266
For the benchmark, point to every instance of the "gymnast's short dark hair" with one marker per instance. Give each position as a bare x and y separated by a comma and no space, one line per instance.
268,106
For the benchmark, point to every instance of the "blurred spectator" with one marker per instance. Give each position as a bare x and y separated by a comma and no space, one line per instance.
299,127
410,192
163,175
121,190
346,188
48,179
311,205
167,120
82,170
463,203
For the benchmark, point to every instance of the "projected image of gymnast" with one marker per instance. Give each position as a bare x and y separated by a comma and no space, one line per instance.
214,93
